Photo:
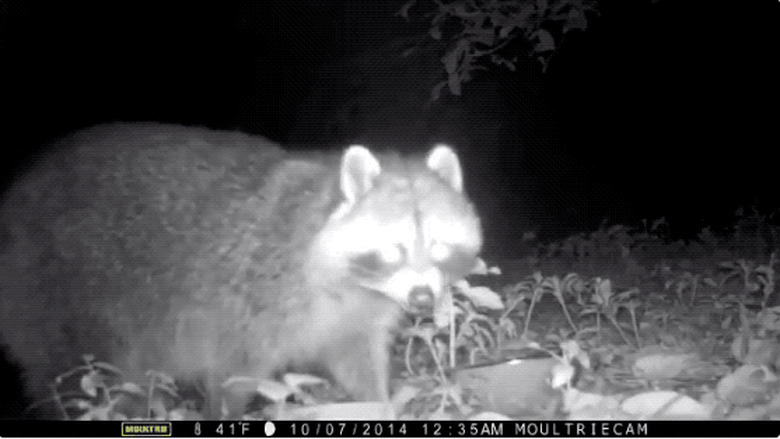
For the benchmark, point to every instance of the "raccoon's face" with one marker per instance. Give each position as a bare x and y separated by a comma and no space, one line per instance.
404,229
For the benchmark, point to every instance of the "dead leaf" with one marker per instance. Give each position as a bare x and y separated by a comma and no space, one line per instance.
664,405
747,385
583,405
664,365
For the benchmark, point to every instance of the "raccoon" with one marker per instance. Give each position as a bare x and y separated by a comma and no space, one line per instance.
208,254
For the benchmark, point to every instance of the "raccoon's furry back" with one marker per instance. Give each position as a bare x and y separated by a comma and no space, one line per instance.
208,254
147,245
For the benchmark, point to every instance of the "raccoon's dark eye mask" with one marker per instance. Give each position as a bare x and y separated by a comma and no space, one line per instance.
375,263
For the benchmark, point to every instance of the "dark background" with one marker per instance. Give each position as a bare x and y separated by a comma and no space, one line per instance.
658,109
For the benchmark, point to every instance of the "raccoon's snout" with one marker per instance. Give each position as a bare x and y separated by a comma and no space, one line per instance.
421,300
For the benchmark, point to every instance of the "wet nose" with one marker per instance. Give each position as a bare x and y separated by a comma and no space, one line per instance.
421,299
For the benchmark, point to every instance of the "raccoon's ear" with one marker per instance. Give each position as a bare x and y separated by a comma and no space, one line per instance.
359,168
443,161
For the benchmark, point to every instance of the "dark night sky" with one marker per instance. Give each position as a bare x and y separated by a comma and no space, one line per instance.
658,109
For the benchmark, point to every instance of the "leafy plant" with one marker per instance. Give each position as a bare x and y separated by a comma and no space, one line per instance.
478,31
101,394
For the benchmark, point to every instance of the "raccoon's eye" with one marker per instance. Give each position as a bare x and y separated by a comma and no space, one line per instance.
391,254
440,252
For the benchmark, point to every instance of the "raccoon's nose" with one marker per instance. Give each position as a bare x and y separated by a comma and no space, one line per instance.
421,299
